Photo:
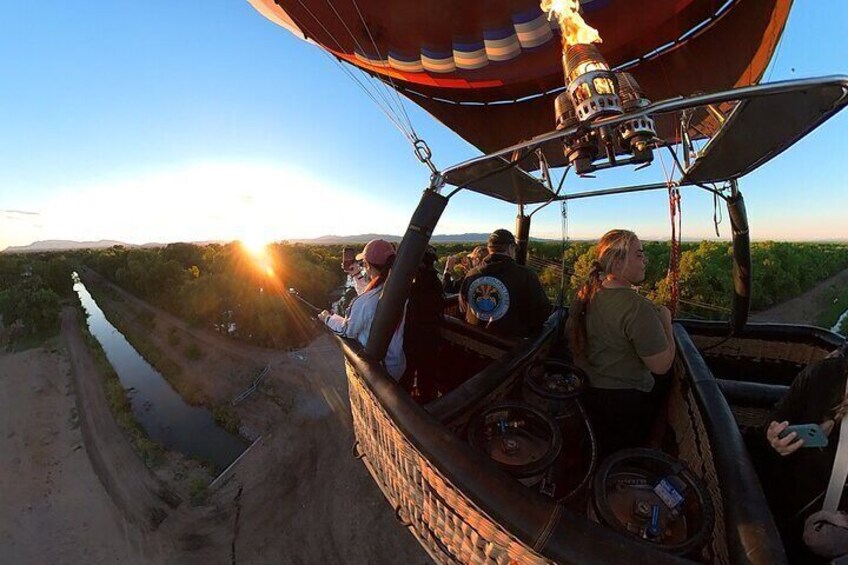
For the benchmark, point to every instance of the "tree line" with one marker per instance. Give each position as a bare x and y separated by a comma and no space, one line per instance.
31,290
225,287
779,271
222,286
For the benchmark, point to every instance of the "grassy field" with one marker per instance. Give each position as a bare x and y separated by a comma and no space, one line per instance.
833,305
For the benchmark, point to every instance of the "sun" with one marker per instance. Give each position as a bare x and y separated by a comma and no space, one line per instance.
255,247
257,250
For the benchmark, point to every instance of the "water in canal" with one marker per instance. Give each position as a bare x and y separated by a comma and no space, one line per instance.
162,413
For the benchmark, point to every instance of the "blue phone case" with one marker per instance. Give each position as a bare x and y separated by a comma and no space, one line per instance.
812,434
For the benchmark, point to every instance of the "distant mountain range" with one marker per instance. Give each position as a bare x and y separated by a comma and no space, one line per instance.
68,245
63,245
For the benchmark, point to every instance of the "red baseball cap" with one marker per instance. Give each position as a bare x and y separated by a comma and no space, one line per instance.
377,252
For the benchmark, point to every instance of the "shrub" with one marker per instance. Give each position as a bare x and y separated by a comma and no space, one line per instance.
193,352
198,490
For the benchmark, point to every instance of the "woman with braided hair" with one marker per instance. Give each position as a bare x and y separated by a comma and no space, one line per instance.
619,339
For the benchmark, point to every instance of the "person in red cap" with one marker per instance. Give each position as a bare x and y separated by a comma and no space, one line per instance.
377,259
502,296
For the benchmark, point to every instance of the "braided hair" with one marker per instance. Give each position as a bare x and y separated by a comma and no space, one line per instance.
612,247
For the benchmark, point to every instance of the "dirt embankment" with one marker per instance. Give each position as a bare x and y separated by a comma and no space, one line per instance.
806,308
155,516
298,496
54,509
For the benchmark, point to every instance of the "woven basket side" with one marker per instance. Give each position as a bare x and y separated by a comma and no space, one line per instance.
798,353
450,527
693,443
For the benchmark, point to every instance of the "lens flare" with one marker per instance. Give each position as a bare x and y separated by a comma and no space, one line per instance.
255,247
258,253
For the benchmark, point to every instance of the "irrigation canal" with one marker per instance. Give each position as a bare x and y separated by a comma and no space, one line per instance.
163,414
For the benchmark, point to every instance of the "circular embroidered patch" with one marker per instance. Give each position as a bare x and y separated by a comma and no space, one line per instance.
488,298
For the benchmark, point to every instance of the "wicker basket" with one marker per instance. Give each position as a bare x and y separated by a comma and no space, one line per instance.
693,444
450,527
752,348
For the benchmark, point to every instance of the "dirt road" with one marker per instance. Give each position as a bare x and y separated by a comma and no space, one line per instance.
54,509
304,498
803,309
298,496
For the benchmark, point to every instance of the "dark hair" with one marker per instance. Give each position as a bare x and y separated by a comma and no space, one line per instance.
611,248
502,248
382,273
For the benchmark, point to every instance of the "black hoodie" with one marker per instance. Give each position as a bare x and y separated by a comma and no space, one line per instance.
504,297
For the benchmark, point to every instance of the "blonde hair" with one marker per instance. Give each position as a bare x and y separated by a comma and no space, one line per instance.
611,248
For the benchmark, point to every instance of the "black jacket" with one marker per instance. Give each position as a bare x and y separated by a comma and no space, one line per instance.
504,297
424,314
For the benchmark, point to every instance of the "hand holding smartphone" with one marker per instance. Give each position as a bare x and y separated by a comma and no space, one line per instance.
348,259
812,434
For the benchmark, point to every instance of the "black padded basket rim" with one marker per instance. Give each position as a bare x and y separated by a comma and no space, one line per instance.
518,471
695,541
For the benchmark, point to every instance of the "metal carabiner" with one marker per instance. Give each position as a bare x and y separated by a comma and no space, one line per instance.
423,153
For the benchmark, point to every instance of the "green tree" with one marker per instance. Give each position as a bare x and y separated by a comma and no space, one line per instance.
35,306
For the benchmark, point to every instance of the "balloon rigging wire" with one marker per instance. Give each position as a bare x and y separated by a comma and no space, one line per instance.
676,214
546,172
394,88
385,105
389,99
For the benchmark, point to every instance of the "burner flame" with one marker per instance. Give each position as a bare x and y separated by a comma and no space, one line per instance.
574,29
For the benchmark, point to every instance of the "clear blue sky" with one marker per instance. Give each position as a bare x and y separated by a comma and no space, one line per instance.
165,121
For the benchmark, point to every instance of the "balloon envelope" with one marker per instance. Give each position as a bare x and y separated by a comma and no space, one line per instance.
491,69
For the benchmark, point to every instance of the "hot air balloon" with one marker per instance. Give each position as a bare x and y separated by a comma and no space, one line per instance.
491,71
502,467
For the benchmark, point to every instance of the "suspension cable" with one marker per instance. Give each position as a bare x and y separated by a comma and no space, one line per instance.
387,111
394,88
402,123
390,101
676,216
546,173
685,177
717,216
564,236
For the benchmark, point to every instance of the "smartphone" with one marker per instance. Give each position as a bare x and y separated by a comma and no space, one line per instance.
348,257
812,434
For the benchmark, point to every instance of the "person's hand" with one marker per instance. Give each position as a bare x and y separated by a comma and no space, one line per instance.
834,354
352,269
784,446
450,263
324,315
